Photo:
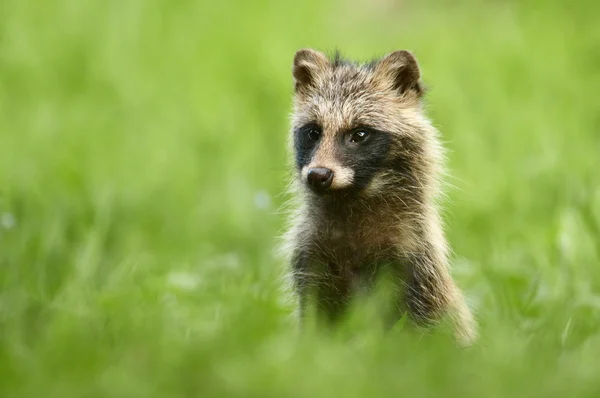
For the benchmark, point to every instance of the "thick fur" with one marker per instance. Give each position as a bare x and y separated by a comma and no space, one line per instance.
381,210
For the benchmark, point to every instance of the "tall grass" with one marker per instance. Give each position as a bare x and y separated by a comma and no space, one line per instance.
143,163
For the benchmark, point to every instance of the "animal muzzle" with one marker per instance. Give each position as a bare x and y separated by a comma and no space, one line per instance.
319,179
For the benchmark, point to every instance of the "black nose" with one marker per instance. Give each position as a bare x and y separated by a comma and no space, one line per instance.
320,178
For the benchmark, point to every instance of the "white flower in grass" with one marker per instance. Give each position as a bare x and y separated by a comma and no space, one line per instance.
262,200
7,220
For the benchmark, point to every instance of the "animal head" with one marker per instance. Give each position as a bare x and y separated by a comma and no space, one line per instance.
355,125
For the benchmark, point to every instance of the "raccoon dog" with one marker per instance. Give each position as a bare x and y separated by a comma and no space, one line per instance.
367,167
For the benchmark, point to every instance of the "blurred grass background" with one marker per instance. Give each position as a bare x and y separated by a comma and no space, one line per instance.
143,165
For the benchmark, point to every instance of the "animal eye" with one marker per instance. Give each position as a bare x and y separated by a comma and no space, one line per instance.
359,136
314,134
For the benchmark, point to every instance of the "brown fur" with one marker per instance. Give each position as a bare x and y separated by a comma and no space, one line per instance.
337,242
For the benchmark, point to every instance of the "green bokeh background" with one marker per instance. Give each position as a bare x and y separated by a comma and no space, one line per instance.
142,178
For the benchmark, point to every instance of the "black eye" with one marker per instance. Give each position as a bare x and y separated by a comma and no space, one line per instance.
314,134
358,136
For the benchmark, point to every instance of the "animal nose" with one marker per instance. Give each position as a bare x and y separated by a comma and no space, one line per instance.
320,177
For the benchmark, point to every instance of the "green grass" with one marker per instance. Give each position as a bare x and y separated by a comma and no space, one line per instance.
139,141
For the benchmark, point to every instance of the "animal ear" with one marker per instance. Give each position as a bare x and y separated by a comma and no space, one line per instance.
307,65
401,70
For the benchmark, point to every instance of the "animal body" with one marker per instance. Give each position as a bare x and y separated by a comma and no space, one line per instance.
367,167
